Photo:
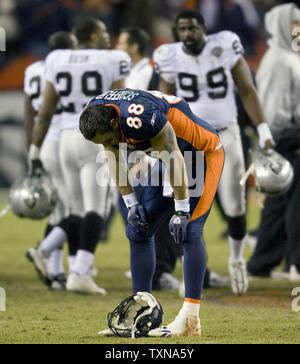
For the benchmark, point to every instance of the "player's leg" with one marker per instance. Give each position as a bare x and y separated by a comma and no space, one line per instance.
232,198
95,192
142,244
271,238
167,253
292,221
55,234
68,154
187,322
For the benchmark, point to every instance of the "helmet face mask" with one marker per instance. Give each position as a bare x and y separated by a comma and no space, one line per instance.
33,197
130,319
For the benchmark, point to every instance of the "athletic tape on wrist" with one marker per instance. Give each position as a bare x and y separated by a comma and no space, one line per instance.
34,152
182,205
264,133
130,200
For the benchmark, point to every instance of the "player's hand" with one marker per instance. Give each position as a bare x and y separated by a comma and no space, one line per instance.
137,218
36,168
178,225
265,137
269,144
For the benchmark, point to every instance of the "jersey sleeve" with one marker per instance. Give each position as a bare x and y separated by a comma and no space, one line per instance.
234,49
26,81
164,57
146,125
120,64
50,67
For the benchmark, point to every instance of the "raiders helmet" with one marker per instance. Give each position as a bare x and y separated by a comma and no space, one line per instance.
135,316
33,197
273,173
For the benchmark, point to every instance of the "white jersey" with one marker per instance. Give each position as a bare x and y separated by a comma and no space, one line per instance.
34,84
205,81
140,75
80,75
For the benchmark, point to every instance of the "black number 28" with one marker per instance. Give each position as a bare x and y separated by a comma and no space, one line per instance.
216,79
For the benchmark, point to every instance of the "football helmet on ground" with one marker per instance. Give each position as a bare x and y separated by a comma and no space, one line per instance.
135,316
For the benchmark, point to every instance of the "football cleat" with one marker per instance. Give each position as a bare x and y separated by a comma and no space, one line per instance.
58,283
183,325
39,260
216,280
93,272
127,274
279,275
83,284
167,282
294,275
238,276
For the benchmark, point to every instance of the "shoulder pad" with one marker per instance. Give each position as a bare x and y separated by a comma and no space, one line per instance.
164,56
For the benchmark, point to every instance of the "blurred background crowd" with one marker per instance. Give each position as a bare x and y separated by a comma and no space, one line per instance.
28,24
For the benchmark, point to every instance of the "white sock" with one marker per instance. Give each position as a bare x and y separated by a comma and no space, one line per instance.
54,240
55,263
84,261
71,262
190,308
236,248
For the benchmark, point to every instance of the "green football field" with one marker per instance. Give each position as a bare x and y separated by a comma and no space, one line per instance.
36,315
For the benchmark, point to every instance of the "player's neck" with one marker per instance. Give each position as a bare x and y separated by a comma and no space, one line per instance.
135,59
196,51
88,45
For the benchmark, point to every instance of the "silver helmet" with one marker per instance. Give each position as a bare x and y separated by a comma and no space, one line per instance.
273,173
34,197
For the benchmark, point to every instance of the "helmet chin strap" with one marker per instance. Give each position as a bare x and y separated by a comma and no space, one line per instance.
5,210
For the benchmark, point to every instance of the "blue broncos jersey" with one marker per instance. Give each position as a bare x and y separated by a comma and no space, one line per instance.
143,114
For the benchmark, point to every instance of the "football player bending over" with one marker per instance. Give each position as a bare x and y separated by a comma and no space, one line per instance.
152,120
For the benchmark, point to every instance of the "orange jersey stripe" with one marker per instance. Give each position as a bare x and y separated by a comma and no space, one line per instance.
191,300
185,128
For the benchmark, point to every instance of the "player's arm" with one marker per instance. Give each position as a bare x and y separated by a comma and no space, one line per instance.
119,171
248,93
165,142
29,119
45,114
118,84
166,87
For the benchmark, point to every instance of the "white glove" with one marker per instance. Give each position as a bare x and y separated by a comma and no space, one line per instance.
264,134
